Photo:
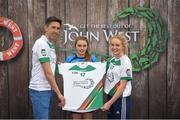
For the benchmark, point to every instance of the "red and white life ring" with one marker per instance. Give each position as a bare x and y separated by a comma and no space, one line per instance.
17,39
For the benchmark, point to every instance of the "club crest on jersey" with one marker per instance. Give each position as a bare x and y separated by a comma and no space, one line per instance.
43,52
128,72
110,77
111,66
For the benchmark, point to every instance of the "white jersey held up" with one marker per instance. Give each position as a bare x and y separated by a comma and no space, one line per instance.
119,69
42,51
83,85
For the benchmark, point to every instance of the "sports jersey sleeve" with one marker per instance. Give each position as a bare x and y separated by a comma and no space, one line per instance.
70,58
43,53
93,59
126,73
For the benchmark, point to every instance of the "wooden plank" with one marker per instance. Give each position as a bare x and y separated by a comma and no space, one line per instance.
57,8
153,96
4,106
97,15
173,71
75,14
157,82
140,80
4,39
3,11
36,19
114,7
18,66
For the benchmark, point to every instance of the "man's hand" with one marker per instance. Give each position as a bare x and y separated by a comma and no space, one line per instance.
62,101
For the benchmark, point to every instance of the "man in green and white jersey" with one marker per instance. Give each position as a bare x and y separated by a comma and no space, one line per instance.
42,83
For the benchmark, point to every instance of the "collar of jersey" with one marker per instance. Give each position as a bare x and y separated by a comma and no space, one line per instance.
115,61
79,57
50,44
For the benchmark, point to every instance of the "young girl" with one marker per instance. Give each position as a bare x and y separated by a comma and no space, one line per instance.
118,80
81,55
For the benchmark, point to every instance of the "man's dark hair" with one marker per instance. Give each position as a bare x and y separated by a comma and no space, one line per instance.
53,19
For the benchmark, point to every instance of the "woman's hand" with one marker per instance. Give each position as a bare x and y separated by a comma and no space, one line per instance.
106,106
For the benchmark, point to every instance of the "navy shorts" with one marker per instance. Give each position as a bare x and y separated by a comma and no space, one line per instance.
120,109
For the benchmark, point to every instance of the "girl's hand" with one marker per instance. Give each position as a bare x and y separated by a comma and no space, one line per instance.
106,106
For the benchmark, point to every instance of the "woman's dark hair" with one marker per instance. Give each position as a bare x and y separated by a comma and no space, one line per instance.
87,55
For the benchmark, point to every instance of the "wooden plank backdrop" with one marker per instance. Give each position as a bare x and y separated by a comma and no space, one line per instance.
156,92
157,100
140,82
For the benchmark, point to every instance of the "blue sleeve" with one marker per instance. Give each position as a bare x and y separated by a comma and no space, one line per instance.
69,58
93,59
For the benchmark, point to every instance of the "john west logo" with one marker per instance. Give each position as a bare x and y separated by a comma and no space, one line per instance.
86,84
94,31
